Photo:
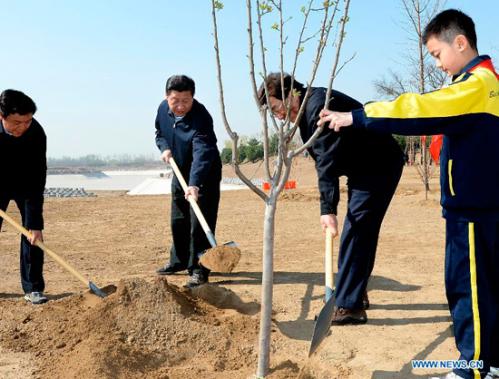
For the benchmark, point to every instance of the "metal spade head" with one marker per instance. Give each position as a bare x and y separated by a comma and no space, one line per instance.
96,290
322,325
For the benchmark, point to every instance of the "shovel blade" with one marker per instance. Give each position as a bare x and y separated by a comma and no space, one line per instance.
221,258
96,290
322,325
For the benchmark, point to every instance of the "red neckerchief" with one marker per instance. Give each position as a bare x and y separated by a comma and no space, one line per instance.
487,64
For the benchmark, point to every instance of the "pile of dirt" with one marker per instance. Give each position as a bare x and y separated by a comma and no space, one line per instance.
146,330
403,324
306,196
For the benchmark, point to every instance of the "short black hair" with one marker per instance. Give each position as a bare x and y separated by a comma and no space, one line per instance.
12,101
273,82
180,83
450,23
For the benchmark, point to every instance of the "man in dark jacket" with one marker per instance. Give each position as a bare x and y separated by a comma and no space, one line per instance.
184,131
372,163
23,172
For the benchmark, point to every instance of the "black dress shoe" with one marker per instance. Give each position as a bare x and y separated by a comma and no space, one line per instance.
170,269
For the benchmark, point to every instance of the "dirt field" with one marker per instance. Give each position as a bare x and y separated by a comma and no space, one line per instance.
153,328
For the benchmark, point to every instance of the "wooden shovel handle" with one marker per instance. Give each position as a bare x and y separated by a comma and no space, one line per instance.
329,264
42,246
193,202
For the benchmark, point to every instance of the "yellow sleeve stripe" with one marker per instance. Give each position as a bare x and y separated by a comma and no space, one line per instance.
451,186
474,296
460,98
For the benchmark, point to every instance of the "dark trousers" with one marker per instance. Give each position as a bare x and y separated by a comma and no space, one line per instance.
472,288
368,200
189,238
31,257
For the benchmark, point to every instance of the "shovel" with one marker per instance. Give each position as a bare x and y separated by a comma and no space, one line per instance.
323,322
55,257
220,258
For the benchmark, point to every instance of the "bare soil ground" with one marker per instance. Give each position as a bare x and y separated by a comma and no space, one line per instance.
152,327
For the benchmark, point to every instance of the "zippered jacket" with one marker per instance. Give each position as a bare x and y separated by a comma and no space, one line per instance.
367,158
23,171
192,142
467,113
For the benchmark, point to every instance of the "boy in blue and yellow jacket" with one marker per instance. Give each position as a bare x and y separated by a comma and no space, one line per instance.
467,113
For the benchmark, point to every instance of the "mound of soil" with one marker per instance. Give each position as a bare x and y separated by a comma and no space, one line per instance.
299,196
152,330
143,330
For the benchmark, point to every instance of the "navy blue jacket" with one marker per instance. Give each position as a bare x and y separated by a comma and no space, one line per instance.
365,157
23,171
467,113
192,142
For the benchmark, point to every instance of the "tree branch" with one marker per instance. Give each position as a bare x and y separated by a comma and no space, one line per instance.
264,64
341,37
262,110
325,29
234,137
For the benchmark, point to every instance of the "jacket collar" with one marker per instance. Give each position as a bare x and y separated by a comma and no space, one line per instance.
478,61
487,64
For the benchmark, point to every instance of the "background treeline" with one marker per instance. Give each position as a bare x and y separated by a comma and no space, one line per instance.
251,149
92,160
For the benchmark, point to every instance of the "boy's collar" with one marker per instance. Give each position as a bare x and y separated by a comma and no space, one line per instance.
487,64
478,60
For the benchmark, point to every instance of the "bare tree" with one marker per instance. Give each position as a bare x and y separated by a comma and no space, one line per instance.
422,76
277,170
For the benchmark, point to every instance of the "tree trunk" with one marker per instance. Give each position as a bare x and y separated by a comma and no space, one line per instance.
426,168
412,151
267,286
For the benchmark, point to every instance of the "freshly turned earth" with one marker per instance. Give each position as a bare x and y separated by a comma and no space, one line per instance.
152,327
221,258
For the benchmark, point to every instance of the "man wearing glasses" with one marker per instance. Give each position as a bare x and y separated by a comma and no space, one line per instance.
184,131
23,173
372,162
